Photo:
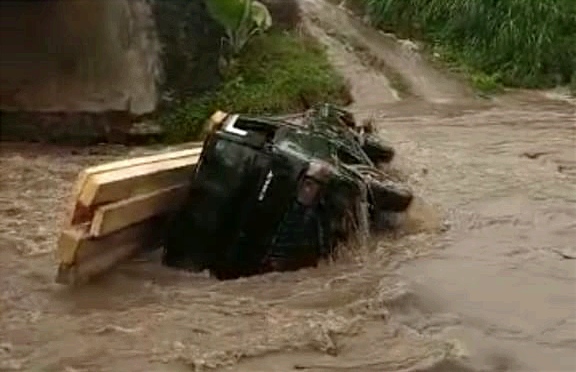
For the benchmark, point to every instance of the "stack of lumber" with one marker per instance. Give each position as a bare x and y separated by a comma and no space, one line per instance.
120,208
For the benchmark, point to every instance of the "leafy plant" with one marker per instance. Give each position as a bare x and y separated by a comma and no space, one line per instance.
278,73
241,20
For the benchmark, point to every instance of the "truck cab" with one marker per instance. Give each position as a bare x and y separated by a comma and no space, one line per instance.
266,195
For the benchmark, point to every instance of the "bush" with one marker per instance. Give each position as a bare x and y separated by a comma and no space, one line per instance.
529,43
278,72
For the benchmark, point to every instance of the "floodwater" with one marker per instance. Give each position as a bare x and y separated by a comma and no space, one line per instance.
484,279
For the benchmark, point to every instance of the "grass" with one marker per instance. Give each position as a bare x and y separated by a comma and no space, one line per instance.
485,83
278,72
519,43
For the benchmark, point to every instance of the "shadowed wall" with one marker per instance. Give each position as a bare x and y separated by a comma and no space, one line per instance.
78,56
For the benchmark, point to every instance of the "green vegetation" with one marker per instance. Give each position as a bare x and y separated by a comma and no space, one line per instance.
527,43
263,73
277,72
241,19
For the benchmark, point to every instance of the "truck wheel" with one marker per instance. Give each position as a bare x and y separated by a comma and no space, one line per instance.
377,151
386,220
390,196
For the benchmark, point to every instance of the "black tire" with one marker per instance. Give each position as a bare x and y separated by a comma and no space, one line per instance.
387,221
388,195
378,151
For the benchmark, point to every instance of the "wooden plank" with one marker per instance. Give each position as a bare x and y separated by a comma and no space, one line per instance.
77,213
147,159
68,242
215,121
83,257
128,182
116,216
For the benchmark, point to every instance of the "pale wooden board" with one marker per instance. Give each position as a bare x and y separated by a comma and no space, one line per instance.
129,197
78,213
140,179
116,216
68,242
215,121
83,257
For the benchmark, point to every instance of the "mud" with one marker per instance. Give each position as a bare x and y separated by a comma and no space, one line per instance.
484,281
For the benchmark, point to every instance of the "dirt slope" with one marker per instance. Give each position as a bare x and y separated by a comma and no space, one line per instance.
493,293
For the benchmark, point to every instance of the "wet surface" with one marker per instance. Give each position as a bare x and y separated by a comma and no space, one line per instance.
495,292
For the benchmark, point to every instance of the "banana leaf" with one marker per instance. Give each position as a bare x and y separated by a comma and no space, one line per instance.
261,16
229,13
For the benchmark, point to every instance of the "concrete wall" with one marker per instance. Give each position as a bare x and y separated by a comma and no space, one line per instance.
78,56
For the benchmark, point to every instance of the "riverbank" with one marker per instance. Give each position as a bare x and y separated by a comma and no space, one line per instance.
279,72
513,43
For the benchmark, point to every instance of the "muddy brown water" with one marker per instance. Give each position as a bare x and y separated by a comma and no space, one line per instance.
484,281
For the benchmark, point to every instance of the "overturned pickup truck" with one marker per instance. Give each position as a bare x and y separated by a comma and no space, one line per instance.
276,195
257,195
